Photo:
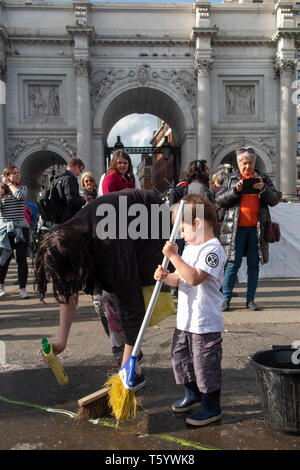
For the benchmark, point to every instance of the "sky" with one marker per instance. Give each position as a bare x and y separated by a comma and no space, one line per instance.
135,130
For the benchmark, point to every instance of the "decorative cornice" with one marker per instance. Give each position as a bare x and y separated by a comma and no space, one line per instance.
104,41
81,31
38,40
285,33
141,41
244,42
199,32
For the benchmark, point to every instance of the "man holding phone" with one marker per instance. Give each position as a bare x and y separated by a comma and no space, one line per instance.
246,195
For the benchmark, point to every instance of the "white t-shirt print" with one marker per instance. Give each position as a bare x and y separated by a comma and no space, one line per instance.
200,307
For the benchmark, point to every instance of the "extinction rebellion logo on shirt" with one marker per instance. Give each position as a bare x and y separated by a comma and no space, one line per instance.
212,260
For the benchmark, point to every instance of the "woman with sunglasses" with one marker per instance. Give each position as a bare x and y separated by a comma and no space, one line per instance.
89,186
243,227
14,228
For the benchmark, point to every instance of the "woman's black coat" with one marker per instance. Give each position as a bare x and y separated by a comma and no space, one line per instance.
230,200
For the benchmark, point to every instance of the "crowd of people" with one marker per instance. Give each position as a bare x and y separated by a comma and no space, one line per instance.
205,261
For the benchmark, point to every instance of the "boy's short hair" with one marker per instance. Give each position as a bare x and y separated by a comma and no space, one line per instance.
74,161
209,209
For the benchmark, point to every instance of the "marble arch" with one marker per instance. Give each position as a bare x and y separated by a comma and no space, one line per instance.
192,64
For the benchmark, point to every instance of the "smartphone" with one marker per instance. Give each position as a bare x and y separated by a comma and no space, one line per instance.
248,186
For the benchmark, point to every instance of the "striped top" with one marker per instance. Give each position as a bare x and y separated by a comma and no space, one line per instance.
12,206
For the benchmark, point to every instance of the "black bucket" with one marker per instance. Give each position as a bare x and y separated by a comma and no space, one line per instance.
278,379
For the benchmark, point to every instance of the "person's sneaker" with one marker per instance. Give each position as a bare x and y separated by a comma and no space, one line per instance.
139,382
225,306
252,305
140,358
24,294
2,292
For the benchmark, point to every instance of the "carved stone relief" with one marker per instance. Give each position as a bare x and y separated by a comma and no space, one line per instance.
80,15
43,100
267,145
18,146
203,66
82,68
143,74
284,65
240,99
103,80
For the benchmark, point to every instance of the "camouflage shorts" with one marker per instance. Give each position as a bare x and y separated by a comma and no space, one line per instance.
197,358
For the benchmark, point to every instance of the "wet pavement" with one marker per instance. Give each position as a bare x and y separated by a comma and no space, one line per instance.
33,407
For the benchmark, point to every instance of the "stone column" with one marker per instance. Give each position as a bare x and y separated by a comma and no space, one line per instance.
203,32
3,133
203,68
287,129
82,36
83,117
98,162
3,138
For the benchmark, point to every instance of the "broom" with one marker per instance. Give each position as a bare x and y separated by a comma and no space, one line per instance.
121,395
94,405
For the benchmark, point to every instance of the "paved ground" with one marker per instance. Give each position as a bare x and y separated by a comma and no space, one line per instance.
27,386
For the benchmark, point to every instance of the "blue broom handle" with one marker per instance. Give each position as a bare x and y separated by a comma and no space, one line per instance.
158,284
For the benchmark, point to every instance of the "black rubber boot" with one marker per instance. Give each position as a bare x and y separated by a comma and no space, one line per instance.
209,410
192,398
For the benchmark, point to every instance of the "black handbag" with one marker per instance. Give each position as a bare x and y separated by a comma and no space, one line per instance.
272,230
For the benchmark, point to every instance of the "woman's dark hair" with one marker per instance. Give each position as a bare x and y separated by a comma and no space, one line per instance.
62,258
4,190
113,163
196,171
8,170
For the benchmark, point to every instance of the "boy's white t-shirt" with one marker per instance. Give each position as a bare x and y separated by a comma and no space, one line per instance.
200,307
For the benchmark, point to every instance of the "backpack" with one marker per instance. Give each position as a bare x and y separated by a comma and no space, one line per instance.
50,203
30,217
196,187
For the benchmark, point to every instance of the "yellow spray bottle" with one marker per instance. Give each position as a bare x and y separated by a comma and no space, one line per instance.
54,363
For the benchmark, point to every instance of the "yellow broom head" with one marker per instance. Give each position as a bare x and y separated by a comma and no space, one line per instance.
122,401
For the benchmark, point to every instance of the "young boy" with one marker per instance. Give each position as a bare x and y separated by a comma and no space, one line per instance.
196,348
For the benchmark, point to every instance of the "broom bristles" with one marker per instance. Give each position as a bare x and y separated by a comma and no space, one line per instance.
97,409
123,402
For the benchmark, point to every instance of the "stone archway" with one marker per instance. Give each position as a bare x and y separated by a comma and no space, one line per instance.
227,155
156,99
34,162
230,158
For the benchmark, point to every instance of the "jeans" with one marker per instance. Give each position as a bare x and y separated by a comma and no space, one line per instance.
21,258
246,241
